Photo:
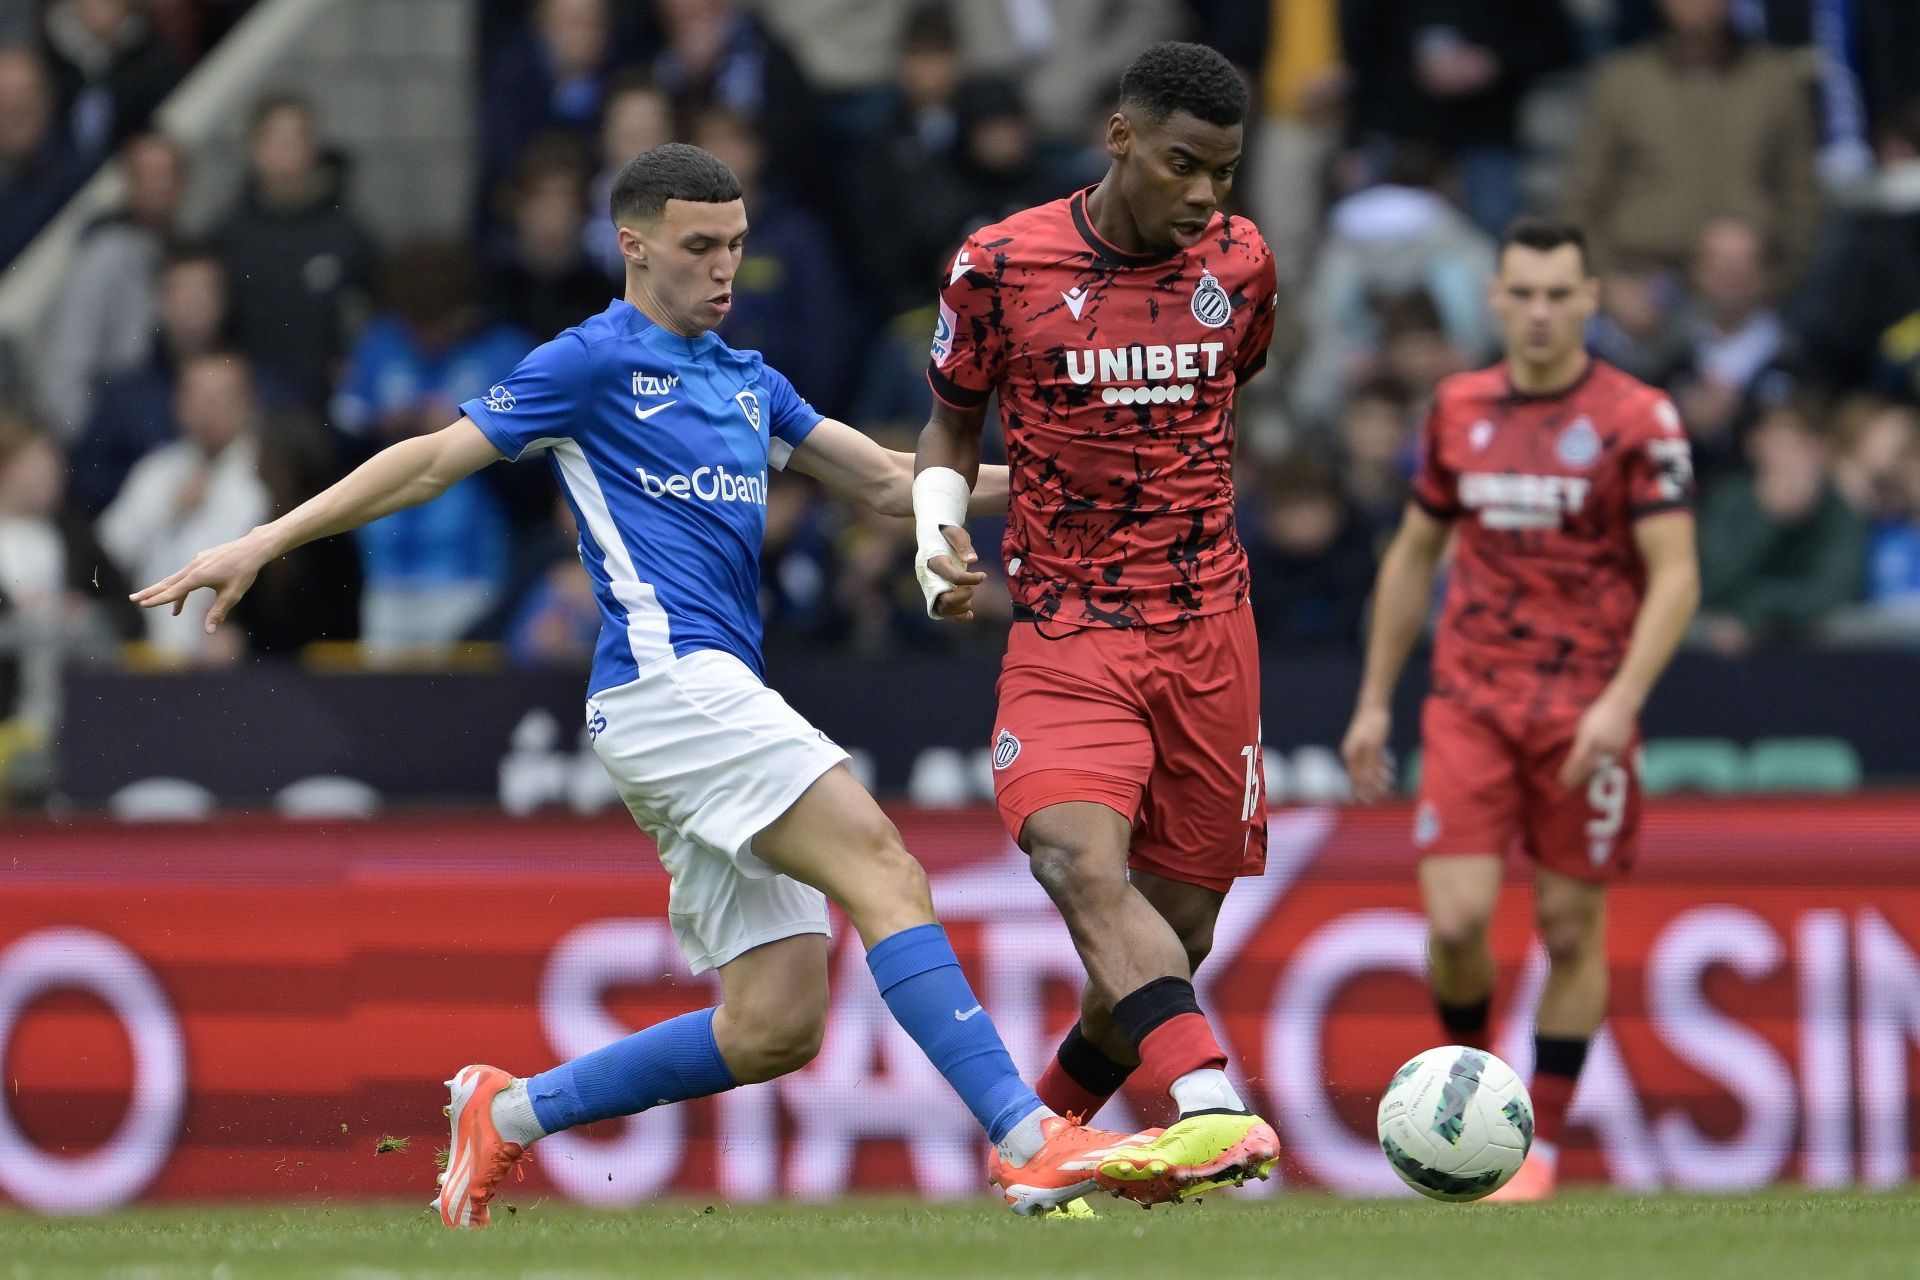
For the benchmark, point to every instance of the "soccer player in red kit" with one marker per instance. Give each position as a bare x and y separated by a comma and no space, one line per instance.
1115,327
1567,488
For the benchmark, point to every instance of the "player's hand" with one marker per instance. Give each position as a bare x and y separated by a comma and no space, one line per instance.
956,602
1601,740
227,570
1369,765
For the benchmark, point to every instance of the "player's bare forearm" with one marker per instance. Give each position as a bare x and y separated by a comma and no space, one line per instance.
951,439
1666,544
992,491
1400,597
404,474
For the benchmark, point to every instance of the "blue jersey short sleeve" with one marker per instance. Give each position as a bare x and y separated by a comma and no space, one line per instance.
790,419
540,403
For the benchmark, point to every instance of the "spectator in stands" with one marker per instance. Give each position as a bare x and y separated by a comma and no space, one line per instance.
133,409
920,135
1311,561
297,261
544,283
433,570
55,584
552,76
789,299
1450,76
1374,451
1779,549
1872,277
1693,125
1733,361
1066,56
798,573
199,491
718,52
639,117
1390,241
1878,471
103,318
38,167
110,70
1303,83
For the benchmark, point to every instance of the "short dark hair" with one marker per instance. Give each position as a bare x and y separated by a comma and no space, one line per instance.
1174,76
672,171
1545,235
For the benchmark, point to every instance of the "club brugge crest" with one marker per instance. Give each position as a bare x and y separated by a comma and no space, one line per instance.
1579,444
1426,825
1211,306
750,405
1005,748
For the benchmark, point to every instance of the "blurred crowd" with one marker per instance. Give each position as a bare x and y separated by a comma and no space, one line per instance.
1748,170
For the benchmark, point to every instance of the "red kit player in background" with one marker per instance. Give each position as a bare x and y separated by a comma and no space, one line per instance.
1568,488
1115,327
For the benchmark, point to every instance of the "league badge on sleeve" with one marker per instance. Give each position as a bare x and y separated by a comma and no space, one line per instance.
1579,444
1211,306
943,334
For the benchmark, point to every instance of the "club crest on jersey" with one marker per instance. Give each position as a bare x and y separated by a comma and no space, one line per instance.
750,405
1211,306
1579,444
1480,435
1006,748
943,334
1426,825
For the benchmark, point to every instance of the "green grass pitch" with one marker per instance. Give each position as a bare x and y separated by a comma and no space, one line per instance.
1305,1237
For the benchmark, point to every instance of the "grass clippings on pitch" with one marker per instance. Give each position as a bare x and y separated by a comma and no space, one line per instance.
1826,1236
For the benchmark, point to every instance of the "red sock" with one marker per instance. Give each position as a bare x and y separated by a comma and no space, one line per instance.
1066,1096
1551,1097
1080,1078
1181,1044
1556,1070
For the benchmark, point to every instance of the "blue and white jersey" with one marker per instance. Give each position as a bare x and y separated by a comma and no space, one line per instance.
661,445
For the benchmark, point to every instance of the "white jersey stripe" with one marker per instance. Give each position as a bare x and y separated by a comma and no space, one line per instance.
647,633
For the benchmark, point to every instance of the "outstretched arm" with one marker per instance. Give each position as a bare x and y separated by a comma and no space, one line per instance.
859,468
1401,596
402,475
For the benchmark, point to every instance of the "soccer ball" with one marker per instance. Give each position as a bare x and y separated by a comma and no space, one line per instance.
1455,1123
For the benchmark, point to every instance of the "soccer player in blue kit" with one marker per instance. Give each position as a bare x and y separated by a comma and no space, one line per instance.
661,436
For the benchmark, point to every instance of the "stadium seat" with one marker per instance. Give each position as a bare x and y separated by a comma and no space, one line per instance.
1803,764
1692,764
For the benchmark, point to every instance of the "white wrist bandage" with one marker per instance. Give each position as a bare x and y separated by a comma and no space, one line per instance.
940,497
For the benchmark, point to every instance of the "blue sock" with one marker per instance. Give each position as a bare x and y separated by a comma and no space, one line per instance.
670,1061
920,979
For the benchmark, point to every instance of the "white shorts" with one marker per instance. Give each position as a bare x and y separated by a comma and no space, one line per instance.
706,757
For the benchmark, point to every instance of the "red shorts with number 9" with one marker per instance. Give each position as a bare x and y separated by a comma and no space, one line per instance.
1489,781
1160,725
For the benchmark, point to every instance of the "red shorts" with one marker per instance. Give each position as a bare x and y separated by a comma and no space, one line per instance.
1489,781
1163,727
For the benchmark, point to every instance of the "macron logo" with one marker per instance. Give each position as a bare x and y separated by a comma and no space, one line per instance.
706,484
961,265
1076,300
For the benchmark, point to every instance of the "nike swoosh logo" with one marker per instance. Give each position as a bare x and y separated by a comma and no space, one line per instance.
1076,301
962,1017
644,414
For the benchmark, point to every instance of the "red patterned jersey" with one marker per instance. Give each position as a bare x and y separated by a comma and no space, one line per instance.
1116,374
1544,492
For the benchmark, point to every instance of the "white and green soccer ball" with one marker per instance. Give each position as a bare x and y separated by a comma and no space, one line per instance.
1455,1123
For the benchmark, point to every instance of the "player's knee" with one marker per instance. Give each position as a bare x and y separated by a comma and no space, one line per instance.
777,1037
1457,927
1570,937
1071,871
887,872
